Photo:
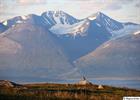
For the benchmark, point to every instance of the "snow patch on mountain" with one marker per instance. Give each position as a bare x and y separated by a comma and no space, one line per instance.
61,23
128,29
92,17
115,28
59,16
106,45
19,21
24,17
98,24
74,29
136,33
5,23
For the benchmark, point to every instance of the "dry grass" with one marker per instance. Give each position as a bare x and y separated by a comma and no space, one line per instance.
65,92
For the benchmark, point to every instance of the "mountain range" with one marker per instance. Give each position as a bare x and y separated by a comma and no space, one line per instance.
57,46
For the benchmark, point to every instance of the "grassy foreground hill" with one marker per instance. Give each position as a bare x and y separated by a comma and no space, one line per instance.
51,91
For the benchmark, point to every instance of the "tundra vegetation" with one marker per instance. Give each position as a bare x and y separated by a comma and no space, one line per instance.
52,91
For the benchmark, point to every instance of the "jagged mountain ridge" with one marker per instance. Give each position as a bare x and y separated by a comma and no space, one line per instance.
86,35
31,18
58,17
99,18
68,22
47,19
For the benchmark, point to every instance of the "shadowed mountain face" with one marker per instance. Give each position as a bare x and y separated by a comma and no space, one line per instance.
115,58
97,31
30,51
81,45
56,46
2,28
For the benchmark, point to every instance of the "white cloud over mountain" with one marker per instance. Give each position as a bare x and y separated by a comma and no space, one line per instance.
127,9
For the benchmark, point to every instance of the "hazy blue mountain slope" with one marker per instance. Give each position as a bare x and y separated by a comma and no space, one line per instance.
115,58
30,51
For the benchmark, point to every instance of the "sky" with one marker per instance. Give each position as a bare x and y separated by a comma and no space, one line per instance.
121,10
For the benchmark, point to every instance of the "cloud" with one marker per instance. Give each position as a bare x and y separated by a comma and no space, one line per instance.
77,8
114,6
137,5
80,0
119,4
7,13
29,2
126,1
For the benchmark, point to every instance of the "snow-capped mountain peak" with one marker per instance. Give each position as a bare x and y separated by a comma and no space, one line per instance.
99,19
58,17
61,23
31,18
95,16
106,22
14,21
